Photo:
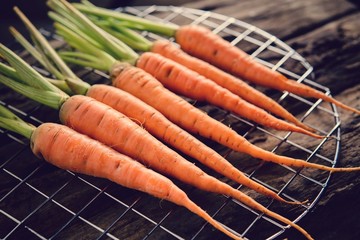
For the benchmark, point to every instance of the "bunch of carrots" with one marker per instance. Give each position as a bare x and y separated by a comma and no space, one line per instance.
115,131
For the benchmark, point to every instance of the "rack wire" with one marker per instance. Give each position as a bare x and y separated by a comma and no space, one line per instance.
39,201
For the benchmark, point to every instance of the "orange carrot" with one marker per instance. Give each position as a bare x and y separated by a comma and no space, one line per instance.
228,81
202,43
175,76
103,123
160,96
151,119
159,126
67,149
151,91
189,83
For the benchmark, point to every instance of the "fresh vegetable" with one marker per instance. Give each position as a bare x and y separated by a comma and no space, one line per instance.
169,50
182,80
70,150
222,54
149,90
175,76
138,111
204,44
103,123
235,85
144,86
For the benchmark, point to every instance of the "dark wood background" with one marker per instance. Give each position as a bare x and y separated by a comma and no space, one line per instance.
327,34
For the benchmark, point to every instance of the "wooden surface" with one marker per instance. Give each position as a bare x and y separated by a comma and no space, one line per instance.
327,34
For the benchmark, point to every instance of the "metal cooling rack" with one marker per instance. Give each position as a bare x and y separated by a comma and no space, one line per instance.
38,201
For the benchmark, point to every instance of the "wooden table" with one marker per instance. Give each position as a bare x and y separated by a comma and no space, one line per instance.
327,34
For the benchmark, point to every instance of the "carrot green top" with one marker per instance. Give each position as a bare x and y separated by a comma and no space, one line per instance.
96,48
46,55
9,121
130,21
24,79
83,25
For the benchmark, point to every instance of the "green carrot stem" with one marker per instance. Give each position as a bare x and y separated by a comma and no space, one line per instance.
26,44
63,23
85,60
112,45
53,99
128,36
79,87
6,113
10,121
42,43
25,72
35,53
61,84
9,71
17,126
122,32
90,55
50,59
130,21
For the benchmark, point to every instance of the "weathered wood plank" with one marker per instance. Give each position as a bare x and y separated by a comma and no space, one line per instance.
284,19
331,50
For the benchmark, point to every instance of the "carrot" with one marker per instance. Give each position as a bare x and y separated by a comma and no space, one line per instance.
151,91
204,44
169,50
101,122
235,85
69,150
135,109
180,79
159,126
134,142
160,98
190,84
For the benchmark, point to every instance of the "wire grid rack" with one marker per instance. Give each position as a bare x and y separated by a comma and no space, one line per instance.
39,201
